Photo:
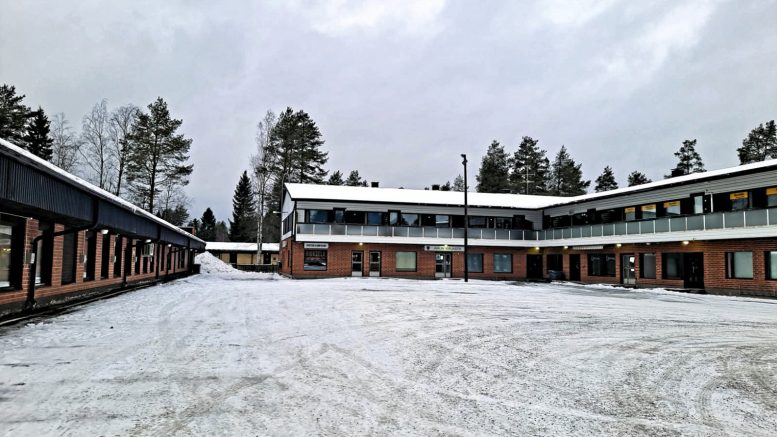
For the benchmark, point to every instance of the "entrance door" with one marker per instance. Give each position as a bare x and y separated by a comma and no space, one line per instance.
442,265
693,269
534,266
628,272
574,267
357,262
374,263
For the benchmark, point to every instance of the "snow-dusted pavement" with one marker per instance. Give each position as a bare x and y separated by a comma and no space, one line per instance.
237,354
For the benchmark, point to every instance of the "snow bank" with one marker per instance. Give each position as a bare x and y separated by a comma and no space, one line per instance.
210,265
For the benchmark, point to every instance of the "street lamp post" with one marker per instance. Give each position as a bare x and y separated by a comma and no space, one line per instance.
466,221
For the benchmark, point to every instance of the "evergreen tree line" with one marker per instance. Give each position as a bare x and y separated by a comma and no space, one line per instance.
529,170
134,154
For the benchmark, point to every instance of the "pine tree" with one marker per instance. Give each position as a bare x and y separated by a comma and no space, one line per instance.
13,115
158,154
336,178
566,176
493,176
689,160
355,180
176,215
606,181
221,233
37,139
242,227
760,144
458,184
530,168
208,226
446,186
195,225
638,178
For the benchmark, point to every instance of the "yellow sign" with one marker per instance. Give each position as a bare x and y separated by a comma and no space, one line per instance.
739,195
671,204
630,210
649,208
771,191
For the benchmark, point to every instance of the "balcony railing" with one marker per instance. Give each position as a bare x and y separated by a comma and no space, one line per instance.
701,222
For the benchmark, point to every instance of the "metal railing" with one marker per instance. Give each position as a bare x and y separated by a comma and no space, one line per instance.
701,222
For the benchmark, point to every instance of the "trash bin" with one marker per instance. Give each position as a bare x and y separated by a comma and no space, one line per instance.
556,275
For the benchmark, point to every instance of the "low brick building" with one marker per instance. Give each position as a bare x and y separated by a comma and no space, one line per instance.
243,254
62,238
713,231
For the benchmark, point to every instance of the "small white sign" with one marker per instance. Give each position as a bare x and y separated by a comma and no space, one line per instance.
587,247
316,245
444,248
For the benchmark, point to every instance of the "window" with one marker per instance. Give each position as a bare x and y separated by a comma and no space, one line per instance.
477,222
647,265
6,247
339,216
739,200
739,265
503,223
44,259
375,218
117,253
105,258
315,260
318,216
698,204
648,211
69,252
771,196
555,262
475,262
442,221
771,265
672,208
405,262
411,219
673,265
630,214
90,255
394,218
503,263
601,264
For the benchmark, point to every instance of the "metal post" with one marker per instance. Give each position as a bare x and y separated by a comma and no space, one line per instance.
466,221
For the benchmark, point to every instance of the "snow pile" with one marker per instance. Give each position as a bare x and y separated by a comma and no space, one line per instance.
209,264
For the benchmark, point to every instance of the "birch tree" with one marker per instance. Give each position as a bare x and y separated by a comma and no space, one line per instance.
65,143
121,123
263,164
96,149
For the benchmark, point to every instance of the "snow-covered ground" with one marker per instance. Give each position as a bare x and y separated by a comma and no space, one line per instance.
228,353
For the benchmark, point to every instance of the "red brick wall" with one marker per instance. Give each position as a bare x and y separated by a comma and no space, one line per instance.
339,263
55,288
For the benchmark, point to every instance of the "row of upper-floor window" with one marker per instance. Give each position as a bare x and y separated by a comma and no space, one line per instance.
403,218
697,203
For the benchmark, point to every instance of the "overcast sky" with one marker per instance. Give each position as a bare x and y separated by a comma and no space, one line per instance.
399,89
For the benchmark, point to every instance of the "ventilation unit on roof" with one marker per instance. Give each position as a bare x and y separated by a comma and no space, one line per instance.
374,184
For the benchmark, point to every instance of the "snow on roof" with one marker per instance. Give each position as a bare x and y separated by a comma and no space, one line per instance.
494,200
420,197
226,246
51,168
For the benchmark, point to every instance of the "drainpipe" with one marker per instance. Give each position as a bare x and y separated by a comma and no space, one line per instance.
157,251
29,304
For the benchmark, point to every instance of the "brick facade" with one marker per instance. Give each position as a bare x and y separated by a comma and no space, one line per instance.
54,291
714,264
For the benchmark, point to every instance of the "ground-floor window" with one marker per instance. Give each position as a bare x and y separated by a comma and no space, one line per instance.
647,265
406,262
555,262
503,263
672,265
315,260
475,262
601,264
771,265
69,252
6,249
739,265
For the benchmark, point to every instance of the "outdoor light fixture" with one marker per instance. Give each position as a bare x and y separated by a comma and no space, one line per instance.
148,240
618,245
686,242
105,231
169,245
361,244
566,247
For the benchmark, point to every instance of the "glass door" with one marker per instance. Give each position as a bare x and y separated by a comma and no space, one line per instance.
628,275
357,262
442,265
374,263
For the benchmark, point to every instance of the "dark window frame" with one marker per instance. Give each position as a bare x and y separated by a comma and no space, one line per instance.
482,266
315,253
604,264
642,264
731,269
415,257
665,258
510,264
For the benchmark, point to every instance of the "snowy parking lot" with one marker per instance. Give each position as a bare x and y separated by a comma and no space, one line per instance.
249,354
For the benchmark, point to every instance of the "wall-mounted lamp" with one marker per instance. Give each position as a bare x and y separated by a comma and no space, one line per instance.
686,242
105,231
